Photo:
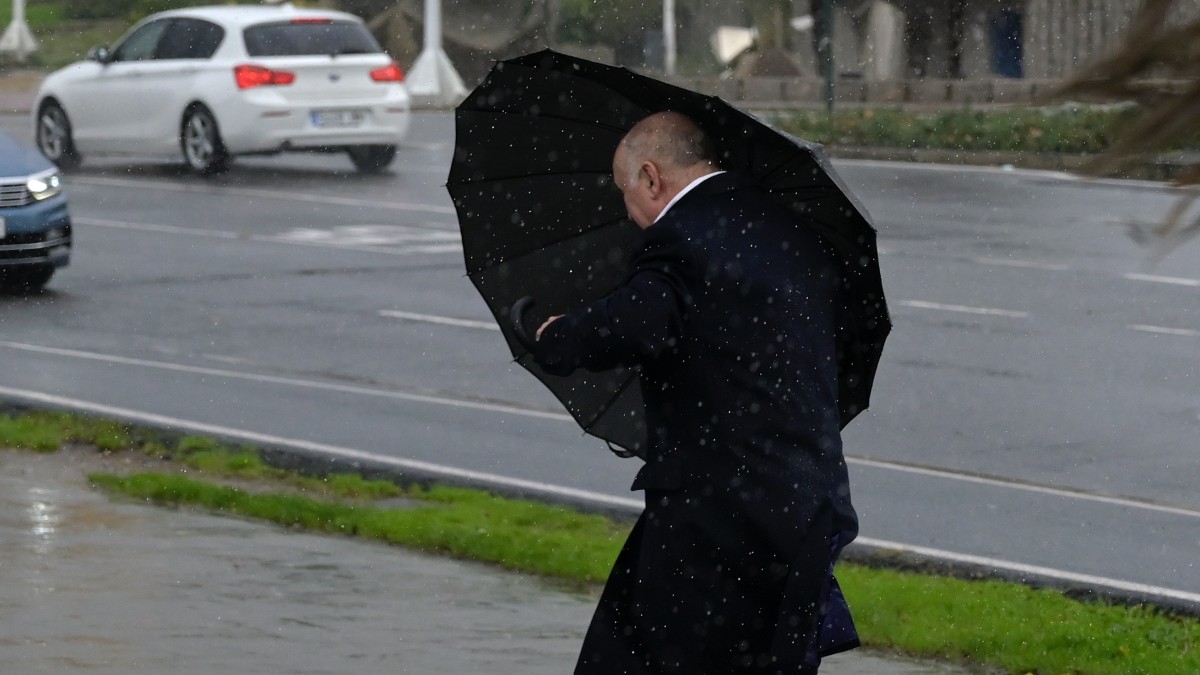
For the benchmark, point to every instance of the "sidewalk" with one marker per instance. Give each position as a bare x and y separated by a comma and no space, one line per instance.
92,585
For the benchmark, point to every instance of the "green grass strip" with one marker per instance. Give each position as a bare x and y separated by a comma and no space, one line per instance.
1015,628
48,431
517,535
1061,129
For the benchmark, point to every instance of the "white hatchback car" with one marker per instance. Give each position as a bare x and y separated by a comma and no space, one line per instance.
209,83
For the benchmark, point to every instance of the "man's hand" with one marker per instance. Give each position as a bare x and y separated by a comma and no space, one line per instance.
538,335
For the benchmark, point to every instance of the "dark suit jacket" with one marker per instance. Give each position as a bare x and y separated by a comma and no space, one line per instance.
729,312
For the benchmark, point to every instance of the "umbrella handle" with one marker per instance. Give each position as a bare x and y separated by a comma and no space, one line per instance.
517,314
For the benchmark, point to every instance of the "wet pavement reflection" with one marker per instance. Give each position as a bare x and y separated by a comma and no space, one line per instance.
92,585
106,587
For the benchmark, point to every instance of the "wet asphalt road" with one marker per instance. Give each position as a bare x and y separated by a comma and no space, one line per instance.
1037,404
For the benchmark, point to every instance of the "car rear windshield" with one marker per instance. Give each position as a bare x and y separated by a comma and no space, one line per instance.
309,37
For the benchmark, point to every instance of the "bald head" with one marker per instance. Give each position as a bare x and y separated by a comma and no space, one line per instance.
670,139
660,156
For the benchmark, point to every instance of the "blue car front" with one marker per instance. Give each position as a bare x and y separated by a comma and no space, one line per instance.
35,227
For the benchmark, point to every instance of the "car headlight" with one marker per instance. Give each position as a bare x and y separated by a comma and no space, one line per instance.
44,185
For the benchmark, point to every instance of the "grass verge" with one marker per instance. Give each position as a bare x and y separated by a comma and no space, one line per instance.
1068,129
988,624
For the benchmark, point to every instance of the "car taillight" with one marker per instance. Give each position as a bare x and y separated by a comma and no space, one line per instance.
388,73
312,19
258,76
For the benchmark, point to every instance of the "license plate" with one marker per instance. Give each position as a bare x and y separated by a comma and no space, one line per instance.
337,118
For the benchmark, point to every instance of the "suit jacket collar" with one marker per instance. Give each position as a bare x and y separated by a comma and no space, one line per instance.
725,182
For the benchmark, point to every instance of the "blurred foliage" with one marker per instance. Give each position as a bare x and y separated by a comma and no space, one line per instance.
64,44
1158,65
96,9
1065,129
131,10
37,14
611,23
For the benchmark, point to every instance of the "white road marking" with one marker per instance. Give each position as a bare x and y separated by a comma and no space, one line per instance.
1154,278
1035,570
963,309
226,190
1163,330
365,235
551,489
164,229
442,320
1026,264
321,242
337,451
293,382
1025,487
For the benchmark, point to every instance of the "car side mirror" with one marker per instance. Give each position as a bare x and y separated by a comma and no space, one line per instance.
99,54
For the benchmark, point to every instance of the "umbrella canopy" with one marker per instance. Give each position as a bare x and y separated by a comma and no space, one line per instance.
540,216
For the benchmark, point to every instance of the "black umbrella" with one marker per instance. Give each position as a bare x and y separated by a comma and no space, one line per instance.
539,214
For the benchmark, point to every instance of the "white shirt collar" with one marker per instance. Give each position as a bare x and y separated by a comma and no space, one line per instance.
684,191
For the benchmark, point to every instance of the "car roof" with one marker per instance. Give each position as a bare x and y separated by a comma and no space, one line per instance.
239,16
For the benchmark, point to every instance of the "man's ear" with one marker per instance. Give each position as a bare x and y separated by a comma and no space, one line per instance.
654,176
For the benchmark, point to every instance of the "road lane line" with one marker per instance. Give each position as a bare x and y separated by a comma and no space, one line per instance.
294,382
441,320
1035,570
1154,278
410,249
163,229
963,309
335,450
223,190
633,506
1025,264
1025,487
563,417
1163,330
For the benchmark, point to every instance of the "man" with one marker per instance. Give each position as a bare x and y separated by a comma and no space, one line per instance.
730,312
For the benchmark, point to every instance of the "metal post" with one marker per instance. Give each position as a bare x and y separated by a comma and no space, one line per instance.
17,38
669,37
827,65
433,81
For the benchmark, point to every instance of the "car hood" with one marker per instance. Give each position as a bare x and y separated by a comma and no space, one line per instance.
18,159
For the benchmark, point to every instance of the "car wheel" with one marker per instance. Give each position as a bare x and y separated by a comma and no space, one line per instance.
54,136
200,140
371,158
26,278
